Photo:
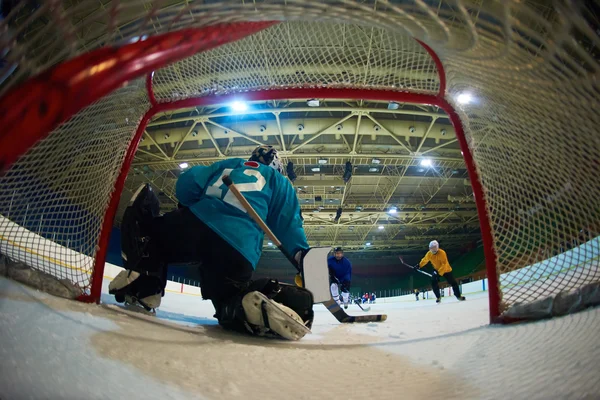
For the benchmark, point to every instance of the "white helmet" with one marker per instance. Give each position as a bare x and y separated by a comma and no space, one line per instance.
434,246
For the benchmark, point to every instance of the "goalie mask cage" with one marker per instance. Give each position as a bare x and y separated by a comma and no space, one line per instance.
80,82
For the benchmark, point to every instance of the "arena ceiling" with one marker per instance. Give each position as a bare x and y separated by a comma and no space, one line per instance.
408,180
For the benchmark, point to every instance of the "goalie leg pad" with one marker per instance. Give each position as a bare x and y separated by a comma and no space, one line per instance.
268,308
268,317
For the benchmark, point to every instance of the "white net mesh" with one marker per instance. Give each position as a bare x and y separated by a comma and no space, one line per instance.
53,201
302,54
530,67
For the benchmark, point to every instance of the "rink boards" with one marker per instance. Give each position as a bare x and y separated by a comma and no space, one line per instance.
578,265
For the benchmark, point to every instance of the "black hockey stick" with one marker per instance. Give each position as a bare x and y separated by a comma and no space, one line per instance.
364,309
413,268
331,305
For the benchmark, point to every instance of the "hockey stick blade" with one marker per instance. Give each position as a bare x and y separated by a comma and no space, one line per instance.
337,311
364,309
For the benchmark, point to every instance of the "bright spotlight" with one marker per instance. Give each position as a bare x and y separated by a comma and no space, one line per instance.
270,243
184,165
239,106
381,227
464,98
368,243
426,162
393,210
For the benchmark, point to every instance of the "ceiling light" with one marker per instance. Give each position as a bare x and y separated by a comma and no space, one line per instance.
464,98
184,165
313,102
376,161
392,105
373,169
381,227
368,243
426,162
239,106
270,243
316,169
393,210
322,161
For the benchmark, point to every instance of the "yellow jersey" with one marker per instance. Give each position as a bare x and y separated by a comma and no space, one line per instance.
439,261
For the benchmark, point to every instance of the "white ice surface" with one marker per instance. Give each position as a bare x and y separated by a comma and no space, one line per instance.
53,348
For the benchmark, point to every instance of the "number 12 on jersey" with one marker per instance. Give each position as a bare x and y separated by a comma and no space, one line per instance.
218,188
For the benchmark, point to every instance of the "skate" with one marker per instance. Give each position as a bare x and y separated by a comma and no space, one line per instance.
136,289
269,315
461,298
147,305
438,300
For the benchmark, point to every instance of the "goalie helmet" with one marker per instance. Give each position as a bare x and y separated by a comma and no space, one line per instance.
267,155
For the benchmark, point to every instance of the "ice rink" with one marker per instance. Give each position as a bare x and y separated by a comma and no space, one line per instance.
54,348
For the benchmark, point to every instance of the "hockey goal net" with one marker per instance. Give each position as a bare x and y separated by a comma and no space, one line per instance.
518,79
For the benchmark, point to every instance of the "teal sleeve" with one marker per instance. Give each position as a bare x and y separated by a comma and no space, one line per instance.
284,215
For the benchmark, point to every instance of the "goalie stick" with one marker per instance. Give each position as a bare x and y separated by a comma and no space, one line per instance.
332,306
413,268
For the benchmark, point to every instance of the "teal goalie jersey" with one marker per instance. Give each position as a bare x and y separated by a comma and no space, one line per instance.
270,193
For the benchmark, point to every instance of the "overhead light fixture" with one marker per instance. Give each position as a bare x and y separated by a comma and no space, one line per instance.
368,244
392,105
464,98
313,102
332,187
184,165
239,106
373,169
316,169
322,161
426,162
380,227
393,210
358,209
270,243
376,161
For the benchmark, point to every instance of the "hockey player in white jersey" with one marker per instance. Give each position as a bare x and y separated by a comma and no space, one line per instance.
212,228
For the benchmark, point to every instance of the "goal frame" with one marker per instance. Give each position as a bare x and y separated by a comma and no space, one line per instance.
31,114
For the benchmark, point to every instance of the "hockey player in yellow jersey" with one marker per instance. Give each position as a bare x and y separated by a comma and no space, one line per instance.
438,258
